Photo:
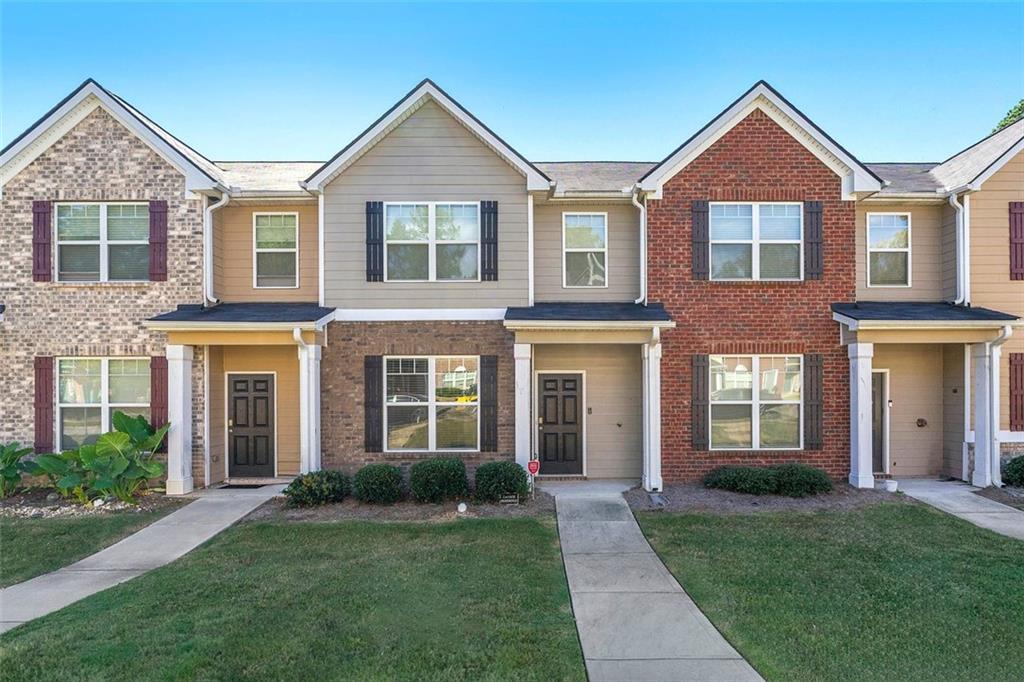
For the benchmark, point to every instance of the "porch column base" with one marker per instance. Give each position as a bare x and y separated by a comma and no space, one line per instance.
652,417
861,474
981,358
523,354
309,408
179,416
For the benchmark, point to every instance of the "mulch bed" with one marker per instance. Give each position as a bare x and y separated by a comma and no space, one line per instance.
278,510
1011,497
38,503
694,497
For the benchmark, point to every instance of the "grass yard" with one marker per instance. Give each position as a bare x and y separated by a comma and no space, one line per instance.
891,591
480,599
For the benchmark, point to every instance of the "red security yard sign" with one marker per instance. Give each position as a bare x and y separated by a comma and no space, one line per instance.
533,466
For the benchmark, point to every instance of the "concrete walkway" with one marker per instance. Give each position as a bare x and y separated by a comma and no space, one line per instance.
634,620
155,545
958,499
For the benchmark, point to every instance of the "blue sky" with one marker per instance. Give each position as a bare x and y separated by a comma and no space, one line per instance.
907,82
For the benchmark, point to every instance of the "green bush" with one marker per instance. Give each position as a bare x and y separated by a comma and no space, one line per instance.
743,479
1013,472
317,487
12,466
494,480
800,480
438,479
378,484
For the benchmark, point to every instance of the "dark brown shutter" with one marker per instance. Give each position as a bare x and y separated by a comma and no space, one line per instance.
489,241
701,407
44,404
42,239
158,393
489,403
373,403
814,401
1017,240
374,243
701,239
158,241
813,261
1017,391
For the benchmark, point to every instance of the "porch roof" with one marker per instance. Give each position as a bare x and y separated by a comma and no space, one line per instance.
234,315
653,313
892,311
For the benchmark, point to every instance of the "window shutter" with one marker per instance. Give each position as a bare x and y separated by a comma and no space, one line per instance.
701,408
1017,240
489,403
489,241
158,241
814,401
813,260
1017,391
158,393
42,236
44,404
701,239
373,403
374,243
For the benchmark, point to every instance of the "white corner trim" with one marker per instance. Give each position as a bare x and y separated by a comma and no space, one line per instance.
529,248
417,314
320,247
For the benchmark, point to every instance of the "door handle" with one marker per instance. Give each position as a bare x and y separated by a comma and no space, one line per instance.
231,424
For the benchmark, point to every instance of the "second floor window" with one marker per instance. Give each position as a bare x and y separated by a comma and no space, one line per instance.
102,242
276,241
888,249
756,241
428,242
585,247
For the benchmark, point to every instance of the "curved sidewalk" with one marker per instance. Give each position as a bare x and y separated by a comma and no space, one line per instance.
155,545
959,499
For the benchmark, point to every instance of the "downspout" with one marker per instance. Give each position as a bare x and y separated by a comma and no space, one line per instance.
643,244
960,293
208,249
993,401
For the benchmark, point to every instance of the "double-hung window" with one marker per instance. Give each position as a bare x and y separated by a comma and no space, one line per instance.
432,242
888,249
431,403
102,242
276,246
756,402
757,241
585,247
90,390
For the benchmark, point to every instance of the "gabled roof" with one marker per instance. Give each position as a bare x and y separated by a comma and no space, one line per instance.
427,90
200,173
976,164
856,176
592,177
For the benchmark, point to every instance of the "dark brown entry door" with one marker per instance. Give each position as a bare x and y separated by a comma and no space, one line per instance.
878,408
560,427
250,425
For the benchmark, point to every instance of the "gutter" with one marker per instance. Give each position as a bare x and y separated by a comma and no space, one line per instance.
643,242
958,207
210,299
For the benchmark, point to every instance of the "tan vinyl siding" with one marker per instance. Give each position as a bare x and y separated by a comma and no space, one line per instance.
915,389
233,254
926,255
623,264
216,377
952,409
614,403
429,157
948,249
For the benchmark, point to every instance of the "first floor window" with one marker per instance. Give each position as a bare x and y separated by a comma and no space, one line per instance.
431,403
276,241
432,241
585,246
756,241
888,249
90,390
102,242
756,401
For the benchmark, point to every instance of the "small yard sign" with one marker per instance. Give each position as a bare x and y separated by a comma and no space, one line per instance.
533,466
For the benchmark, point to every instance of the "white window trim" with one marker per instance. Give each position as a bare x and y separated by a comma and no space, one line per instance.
432,242
908,249
103,243
756,241
106,407
755,403
256,250
431,403
566,250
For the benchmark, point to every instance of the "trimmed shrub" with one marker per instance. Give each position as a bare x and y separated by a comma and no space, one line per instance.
438,479
800,480
317,487
494,480
1013,472
741,479
378,484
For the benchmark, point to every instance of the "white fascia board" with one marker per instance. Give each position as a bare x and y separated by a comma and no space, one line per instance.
929,325
182,326
417,314
523,325
994,167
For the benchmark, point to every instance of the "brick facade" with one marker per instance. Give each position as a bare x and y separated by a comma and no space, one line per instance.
755,161
341,383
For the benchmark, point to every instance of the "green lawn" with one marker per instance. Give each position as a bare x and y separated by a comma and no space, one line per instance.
894,591
31,547
480,599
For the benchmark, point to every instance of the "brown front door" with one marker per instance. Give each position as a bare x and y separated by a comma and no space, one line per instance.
250,425
560,427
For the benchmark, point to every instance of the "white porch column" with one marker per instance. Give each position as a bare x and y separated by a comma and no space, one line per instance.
523,353
861,475
309,408
981,358
995,445
652,417
179,416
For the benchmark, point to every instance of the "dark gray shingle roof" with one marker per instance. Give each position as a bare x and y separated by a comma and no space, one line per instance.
594,176
246,312
919,312
906,177
590,312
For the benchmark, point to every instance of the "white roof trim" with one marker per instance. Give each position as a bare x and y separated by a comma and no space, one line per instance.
995,166
907,325
856,177
535,180
522,325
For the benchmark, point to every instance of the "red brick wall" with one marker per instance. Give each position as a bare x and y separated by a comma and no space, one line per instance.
755,161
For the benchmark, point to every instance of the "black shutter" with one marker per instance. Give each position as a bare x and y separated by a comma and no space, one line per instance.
373,403
701,409
374,241
158,241
489,403
701,238
814,263
814,401
1017,240
489,241
1017,391
158,394
43,403
42,216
